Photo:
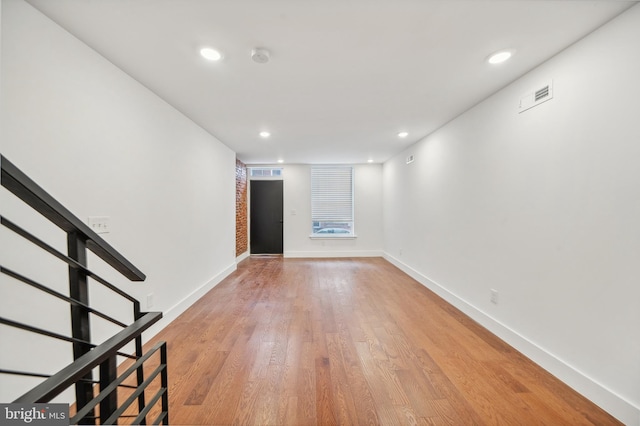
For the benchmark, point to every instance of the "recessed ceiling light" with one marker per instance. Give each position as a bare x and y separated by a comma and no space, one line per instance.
265,134
500,57
210,54
403,134
280,161
369,160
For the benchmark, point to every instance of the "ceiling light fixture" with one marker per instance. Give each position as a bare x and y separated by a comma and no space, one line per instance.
264,134
210,54
500,57
403,134
280,161
369,160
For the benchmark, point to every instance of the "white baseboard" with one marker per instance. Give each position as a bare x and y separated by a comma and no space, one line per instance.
174,312
333,253
608,400
242,257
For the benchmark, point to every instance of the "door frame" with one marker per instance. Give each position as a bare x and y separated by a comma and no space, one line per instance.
271,177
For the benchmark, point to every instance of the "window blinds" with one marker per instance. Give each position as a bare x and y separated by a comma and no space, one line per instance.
332,194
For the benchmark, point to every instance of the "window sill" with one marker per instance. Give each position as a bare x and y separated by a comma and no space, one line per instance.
333,237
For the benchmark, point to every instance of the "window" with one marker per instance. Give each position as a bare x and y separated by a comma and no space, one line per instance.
332,201
265,173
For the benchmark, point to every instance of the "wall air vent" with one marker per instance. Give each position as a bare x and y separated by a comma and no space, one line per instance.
536,97
542,93
410,159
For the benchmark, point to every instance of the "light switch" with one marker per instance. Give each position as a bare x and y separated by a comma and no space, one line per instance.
294,212
99,224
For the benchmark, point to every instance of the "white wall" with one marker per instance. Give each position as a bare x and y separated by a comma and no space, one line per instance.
544,207
367,210
104,145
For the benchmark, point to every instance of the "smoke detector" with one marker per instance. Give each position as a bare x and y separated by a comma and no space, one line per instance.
259,55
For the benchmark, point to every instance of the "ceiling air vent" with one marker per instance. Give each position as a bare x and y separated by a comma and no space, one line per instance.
536,97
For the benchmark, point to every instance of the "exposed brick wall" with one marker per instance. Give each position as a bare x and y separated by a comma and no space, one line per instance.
242,238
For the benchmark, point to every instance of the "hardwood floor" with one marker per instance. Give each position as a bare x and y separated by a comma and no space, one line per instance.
350,341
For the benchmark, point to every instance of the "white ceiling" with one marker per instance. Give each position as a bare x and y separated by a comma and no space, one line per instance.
345,76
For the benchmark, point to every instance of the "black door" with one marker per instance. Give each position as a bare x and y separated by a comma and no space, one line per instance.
266,216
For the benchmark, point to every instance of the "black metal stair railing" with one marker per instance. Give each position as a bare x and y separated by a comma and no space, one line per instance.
87,355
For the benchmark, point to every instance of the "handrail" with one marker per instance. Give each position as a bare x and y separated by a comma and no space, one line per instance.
87,355
69,261
74,372
113,385
22,186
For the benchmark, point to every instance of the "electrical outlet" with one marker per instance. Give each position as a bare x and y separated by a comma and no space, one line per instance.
494,296
149,300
